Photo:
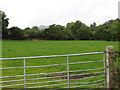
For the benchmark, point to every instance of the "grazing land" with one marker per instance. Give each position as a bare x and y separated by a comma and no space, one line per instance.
42,48
28,48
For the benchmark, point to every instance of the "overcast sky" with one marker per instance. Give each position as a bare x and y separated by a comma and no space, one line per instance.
28,13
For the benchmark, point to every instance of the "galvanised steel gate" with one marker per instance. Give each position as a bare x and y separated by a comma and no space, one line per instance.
57,76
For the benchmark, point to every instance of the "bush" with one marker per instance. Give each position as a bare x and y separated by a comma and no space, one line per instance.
115,71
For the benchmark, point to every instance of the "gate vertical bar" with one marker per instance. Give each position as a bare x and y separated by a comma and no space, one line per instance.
105,79
24,73
68,73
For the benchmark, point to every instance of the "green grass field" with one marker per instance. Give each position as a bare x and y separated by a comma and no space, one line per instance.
42,48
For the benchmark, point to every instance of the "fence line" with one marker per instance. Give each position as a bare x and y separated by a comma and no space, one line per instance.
52,56
51,73
52,77
55,77
52,65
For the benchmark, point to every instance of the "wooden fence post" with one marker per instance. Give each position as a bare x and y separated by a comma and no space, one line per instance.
109,65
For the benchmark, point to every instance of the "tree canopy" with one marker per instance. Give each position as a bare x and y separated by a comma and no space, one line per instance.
4,24
77,30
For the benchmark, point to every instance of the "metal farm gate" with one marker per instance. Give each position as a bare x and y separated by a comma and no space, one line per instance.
63,77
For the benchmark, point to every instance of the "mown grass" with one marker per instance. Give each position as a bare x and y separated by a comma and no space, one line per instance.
42,48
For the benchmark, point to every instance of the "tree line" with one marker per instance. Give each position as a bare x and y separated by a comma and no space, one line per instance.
72,31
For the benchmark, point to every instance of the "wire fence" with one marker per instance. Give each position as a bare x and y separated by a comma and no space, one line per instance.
62,76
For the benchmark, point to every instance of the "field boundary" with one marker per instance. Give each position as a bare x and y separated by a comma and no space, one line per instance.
61,76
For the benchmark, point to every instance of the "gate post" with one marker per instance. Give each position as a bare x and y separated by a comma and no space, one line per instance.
109,65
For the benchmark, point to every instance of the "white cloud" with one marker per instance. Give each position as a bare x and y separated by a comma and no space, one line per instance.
27,13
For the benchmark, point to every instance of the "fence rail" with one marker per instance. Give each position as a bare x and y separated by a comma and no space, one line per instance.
65,77
52,56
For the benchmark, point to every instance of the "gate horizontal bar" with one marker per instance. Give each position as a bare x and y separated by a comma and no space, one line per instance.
52,77
52,56
53,65
65,80
88,77
87,74
64,76
12,85
89,82
66,84
49,85
55,81
48,81
51,73
12,81
87,85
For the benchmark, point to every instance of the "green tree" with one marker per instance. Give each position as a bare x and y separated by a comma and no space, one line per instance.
69,35
83,33
99,33
3,25
76,26
35,32
93,28
114,27
31,33
16,33
54,32
77,31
